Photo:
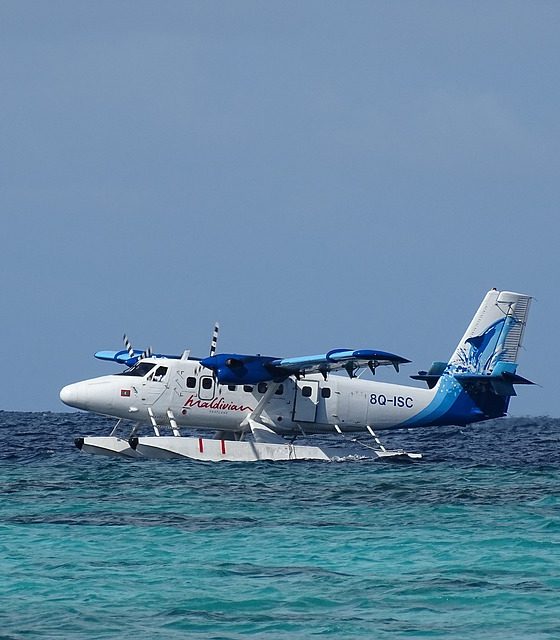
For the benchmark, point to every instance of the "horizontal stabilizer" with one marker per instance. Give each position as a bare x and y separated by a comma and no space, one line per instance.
501,379
432,376
515,379
430,380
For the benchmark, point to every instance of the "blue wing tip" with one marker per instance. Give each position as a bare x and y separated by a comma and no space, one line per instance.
368,354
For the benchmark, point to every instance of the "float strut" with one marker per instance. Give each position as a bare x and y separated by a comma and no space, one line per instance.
377,440
173,423
116,427
153,421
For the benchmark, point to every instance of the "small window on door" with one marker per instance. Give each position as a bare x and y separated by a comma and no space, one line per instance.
207,383
306,392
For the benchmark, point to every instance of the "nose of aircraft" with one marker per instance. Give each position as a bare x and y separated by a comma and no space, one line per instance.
73,395
90,395
67,394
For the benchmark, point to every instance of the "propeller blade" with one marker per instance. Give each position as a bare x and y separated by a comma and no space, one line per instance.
128,346
214,343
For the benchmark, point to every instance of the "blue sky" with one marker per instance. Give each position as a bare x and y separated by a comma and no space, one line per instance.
311,174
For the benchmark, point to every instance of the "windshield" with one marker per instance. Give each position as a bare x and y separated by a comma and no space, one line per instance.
140,369
158,375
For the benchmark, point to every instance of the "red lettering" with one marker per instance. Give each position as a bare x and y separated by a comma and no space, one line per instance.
217,403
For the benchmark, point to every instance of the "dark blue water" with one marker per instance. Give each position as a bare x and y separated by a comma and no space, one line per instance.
465,543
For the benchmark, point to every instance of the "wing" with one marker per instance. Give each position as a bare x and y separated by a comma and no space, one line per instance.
232,368
123,356
340,359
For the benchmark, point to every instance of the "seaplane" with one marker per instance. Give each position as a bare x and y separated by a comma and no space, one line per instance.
254,407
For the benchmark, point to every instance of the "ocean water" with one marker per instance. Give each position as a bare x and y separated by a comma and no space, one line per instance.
465,543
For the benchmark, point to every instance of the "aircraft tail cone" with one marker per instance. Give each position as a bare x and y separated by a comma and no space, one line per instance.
133,442
79,442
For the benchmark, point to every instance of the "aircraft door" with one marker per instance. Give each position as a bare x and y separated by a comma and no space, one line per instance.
306,400
154,385
352,407
206,388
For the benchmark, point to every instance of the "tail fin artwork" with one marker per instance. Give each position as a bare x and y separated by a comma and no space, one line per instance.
478,381
493,336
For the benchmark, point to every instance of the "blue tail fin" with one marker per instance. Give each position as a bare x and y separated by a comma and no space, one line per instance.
493,336
478,381
485,361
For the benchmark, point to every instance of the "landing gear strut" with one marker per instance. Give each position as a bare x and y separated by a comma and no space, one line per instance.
382,452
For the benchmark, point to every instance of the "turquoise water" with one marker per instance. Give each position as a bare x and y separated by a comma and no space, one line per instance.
465,543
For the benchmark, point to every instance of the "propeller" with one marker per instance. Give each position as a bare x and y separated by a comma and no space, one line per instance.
128,346
213,346
214,343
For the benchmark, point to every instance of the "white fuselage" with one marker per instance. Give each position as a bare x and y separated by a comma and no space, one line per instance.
190,391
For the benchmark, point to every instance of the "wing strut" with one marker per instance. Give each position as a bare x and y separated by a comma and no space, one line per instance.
255,415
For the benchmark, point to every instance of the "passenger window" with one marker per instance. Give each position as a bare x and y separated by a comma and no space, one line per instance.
306,392
231,387
262,387
248,388
280,390
191,382
207,383
325,392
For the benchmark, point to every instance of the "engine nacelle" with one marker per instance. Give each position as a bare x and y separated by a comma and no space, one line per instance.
233,368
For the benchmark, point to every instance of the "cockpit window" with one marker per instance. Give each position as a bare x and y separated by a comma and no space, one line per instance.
158,375
140,369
